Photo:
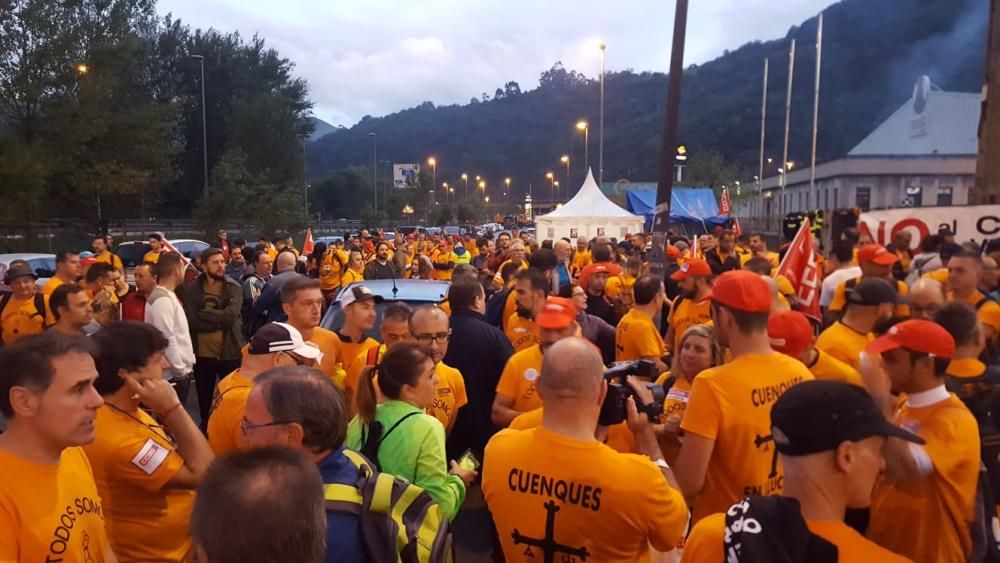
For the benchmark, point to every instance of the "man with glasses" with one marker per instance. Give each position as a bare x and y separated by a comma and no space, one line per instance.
274,345
146,468
430,326
298,407
926,297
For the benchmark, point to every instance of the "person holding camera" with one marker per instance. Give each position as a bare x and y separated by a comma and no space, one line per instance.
728,447
556,492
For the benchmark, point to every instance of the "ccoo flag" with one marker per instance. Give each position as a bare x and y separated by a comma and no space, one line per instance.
725,206
800,268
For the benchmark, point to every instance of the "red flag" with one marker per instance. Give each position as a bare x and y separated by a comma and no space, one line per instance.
800,268
725,206
307,246
170,248
737,230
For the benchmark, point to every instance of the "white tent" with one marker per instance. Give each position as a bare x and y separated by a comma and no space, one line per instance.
589,214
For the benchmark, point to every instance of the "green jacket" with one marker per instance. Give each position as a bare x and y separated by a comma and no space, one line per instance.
414,451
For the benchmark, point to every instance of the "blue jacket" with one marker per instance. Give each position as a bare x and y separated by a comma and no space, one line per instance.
269,302
479,351
343,531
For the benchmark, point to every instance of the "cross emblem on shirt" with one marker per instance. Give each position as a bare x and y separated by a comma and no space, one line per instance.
549,546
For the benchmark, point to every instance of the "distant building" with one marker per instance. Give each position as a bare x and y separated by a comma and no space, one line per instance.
924,154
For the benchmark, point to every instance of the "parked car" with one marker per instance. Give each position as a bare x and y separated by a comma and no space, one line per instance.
44,266
412,292
131,252
328,240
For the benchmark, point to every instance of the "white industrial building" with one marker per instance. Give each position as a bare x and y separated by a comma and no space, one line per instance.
924,154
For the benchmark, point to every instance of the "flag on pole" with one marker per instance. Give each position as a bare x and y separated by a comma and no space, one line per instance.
725,206
737,230
694,247
307,246
170,248
800,268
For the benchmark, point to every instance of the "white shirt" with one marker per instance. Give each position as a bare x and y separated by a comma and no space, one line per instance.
836,278
167,314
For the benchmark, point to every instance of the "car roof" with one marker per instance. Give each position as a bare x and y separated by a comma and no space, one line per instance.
7,258
430,291
170,240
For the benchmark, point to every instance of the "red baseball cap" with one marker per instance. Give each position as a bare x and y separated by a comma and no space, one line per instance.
556,313
673,252
790,332
742,290
695,268
917,335
878,254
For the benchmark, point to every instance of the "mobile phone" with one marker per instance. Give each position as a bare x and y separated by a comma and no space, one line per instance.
468,461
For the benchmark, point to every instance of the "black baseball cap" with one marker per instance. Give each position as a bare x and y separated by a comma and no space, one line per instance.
281,337
873,292
357,293
817,416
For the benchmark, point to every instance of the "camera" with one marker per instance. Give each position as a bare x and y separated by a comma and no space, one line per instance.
613,411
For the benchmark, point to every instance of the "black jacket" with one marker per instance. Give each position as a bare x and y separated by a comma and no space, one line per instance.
720,266
226,317
376,271
480,352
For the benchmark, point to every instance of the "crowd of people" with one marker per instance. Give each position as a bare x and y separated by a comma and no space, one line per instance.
741,430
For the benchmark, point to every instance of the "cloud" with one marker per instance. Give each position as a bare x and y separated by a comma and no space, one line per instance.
375,57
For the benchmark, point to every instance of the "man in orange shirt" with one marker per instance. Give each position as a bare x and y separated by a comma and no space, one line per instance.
923,508
395,328
728,449
530,290
146,469
49,506
876,263
555,491
274,345
829,436
867,303
302,301
359,306
516,393
25,310
636,337
792,334
430,326
67,271
691,307
965,275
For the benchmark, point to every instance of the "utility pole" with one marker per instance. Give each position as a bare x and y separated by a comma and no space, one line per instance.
987,187
668,148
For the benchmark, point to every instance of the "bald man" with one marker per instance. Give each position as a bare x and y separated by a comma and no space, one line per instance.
564,254
430,326
559,480
269,302
926,297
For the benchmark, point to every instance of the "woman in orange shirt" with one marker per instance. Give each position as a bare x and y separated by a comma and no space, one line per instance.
698,351
356,271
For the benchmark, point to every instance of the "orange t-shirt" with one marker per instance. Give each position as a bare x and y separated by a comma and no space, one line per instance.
449,395
731,404
518,379
843,343
51,512
522,333
580,261
362,359
21,318
224,432
839,301
706,542
619,439
509,308
580,494
636,337
928,518
675,403
329,343
133,460
828,367
331,268
684,314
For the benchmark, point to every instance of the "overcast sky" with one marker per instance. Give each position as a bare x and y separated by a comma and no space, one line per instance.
379,56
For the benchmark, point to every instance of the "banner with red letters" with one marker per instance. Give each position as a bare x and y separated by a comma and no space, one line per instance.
800,268
725,205
978,223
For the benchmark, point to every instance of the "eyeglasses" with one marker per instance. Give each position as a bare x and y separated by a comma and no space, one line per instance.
432,338
246,427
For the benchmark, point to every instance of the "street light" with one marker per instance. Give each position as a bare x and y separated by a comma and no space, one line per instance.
585,127
600,142
466,178
204,121
552,179
556,186
565,160
446,191
82,68
375,166
433,163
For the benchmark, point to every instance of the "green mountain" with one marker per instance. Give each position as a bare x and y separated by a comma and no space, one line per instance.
873,52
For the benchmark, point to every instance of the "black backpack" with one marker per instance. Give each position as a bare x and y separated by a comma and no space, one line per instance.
372,437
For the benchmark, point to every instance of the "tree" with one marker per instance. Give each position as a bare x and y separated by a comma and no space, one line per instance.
511,89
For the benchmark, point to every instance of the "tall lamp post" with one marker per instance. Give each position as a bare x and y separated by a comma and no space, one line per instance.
375,166
445,186
565,160
506,197
585,127
552,180
465,177
204,121
600,142
556,186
